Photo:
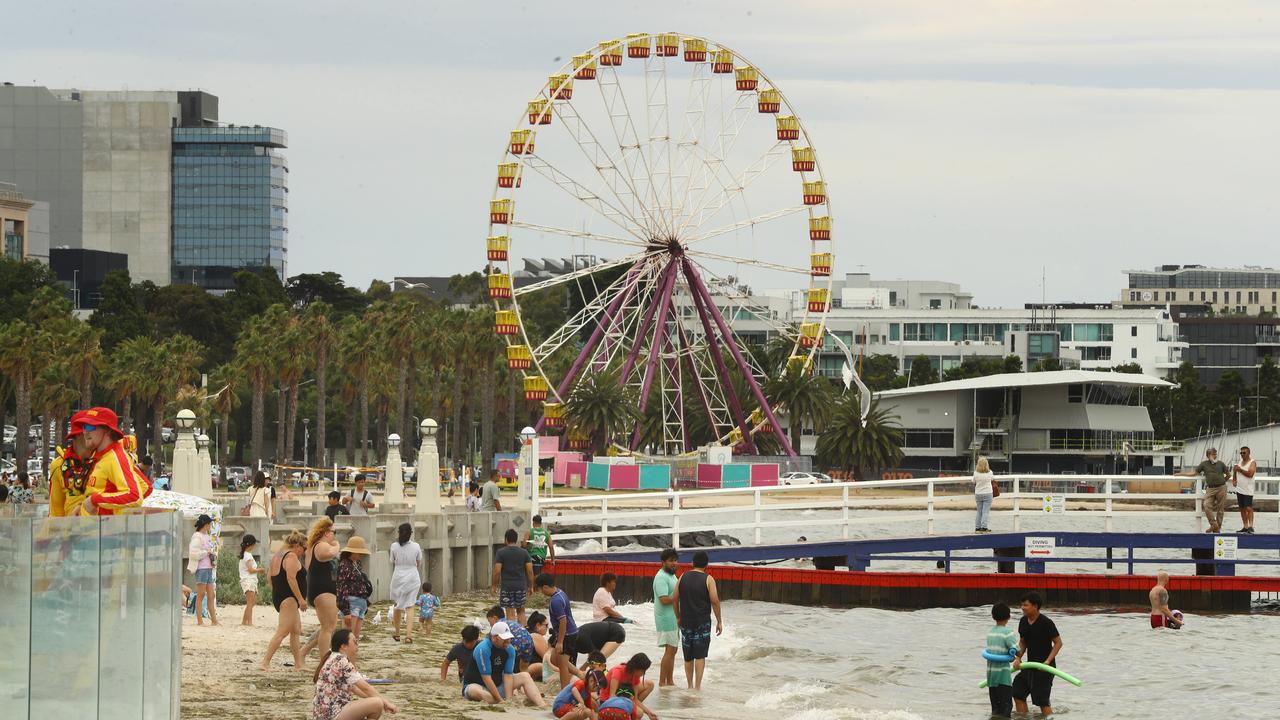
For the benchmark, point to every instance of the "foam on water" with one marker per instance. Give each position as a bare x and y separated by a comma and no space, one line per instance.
784,697
845,713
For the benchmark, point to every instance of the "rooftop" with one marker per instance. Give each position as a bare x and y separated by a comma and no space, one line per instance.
1032,379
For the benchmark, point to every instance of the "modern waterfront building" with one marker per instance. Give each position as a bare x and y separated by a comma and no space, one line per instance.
104,160
1196,289
1069,421
1220,343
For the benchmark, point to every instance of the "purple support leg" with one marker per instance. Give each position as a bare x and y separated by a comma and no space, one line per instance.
594,340
722,370
698,288
655,351
668,278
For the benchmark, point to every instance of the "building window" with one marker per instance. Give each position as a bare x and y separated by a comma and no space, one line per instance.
893,298
1095,353
895,332
935,304
1075,393
1133,353
1133,331
942,438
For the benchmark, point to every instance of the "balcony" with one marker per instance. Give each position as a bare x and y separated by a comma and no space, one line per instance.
1038,443
992,425
1267,338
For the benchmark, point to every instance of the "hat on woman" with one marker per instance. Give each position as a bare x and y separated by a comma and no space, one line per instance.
356,546
203,520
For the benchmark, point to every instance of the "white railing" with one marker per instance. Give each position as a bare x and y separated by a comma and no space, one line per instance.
675,512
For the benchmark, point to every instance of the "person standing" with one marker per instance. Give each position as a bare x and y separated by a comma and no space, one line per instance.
1215,488
406,559
564,641
359,501
695,600
491,495
1161,615
260,496
321,560
336,508
289,595
538,542
1038,639
95,474
354,587
1242,479
664,616
21,493
249,572
1001,640
202,558
512,577
983,494
473,498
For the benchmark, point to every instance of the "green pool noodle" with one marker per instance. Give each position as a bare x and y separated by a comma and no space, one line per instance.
1047,668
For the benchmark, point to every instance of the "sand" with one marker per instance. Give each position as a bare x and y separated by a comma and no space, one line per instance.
221,680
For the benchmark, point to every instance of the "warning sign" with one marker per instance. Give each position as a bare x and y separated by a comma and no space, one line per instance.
1225,547
1039,547
1055,504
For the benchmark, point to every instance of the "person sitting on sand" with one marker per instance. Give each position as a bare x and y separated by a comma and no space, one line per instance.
538,626
1161,615
460,653
579,700
628,680
339,684
493,662
522,644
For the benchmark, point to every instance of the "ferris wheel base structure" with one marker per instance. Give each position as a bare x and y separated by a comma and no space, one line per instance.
679,197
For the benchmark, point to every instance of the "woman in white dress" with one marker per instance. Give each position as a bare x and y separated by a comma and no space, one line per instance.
259,496
406,560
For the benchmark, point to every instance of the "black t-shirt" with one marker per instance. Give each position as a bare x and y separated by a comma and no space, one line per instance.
594,635
1039,637
333,511
459,653
513,558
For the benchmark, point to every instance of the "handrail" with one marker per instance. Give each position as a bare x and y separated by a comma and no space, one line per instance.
687,510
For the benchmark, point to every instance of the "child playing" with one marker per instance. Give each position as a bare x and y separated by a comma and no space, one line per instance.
460,653
427,606
1001,640
579,700
249,572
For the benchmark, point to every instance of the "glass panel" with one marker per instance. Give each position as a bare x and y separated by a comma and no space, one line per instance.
163,626
120,695
15,615
64,606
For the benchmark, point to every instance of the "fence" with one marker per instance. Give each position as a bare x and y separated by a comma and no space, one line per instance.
1022,496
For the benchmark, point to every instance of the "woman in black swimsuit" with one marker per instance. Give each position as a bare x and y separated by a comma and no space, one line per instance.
322,585
289,595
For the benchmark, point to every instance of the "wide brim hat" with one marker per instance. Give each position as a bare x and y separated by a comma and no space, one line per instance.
356,546
97,417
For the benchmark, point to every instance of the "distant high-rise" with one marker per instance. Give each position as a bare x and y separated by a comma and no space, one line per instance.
150,175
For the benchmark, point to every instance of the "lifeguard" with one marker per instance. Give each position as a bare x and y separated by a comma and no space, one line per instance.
95,474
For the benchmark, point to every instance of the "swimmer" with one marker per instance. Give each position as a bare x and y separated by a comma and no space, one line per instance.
1161,616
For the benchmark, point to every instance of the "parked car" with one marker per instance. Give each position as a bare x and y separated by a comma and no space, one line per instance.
804,478
167,435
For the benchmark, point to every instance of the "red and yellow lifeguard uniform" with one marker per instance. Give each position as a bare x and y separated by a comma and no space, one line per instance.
105,484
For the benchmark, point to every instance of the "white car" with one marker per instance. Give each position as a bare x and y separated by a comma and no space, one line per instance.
803,478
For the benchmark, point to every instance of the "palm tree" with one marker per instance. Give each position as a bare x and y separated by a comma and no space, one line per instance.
321,334
357,357
602,407
225,382
124,375
255,362
804,397
85,351
168,365
849,445
18,360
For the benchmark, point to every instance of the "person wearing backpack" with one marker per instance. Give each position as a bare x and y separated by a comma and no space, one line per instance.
354,587
359,501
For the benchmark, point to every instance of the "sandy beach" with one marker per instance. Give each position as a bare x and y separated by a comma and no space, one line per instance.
221,680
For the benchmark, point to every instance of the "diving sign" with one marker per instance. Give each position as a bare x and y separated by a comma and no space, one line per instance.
1039,547
1225,547
1055,504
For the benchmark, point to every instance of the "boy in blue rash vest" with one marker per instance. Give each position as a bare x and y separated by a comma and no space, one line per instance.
1001,640
619,707
493,662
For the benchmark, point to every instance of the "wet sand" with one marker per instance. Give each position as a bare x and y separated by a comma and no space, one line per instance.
221,680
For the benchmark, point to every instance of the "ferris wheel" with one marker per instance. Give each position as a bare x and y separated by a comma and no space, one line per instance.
647,180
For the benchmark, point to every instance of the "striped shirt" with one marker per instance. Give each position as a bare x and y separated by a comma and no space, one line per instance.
1001,640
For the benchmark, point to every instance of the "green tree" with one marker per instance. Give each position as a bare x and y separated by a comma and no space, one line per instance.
1268,387
1048,364
1012,364
1227,398
327,287
20,362
20,280
255,362
973,367
880,371
866,450
922,371
321,335
600,407
805,397
120,314
1132,368
225,383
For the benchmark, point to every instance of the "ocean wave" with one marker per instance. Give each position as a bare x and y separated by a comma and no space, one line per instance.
846,713
788,695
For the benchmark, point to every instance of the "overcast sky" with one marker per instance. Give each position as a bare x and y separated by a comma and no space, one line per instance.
976,142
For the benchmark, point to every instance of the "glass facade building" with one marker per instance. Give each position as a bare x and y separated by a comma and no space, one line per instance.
230,204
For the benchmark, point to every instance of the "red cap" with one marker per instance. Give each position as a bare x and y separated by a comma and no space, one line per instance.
97,417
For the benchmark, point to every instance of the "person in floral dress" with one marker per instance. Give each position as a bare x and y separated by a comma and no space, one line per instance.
342,693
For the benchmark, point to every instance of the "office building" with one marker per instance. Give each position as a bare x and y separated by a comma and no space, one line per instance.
82,272
14,221
1221,343
1069,421
103,161
1200,290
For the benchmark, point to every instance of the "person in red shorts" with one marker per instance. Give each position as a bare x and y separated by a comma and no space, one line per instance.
95,474
1161,615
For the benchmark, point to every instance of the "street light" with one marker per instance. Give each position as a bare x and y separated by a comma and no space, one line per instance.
306,440
202,442
393,440
186,420
428,429
530,491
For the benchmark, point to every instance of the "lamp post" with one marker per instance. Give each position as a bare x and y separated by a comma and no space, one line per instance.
428,498
527,483
185,460
306,438
393,485
217,452
204,468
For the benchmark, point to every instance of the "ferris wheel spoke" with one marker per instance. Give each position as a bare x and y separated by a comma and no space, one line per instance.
581,234
714,162
750,222
619,217
587,316
712,203
727,289
748,261
658,119
580,273
695,107
629,145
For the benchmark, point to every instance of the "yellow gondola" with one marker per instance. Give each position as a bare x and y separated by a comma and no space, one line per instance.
610,53
760,422
788,127
819,298
746,78
540,112
535,388
800,363
810,335
499,286
803,159
553,414
695,50
519,357
577,440
584,67
815,193
769,101
820,264
667,45
561,87
637,45
498,245
820,228
722,62
521,142
505,322
500,211
509,175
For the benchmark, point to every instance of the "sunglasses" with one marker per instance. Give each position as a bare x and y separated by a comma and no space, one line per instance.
88,428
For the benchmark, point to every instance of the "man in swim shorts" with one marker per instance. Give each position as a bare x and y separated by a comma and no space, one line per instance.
513,576
664,616
696,599
1040,642
1161,615
1242,479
